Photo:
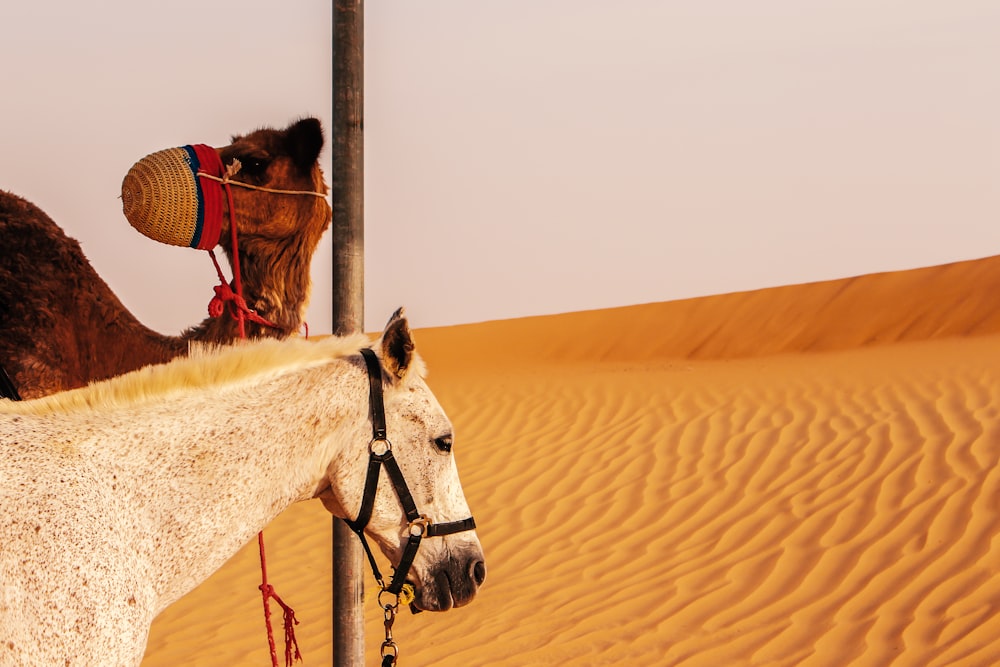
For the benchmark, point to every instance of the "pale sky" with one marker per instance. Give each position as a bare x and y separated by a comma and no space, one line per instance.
535,156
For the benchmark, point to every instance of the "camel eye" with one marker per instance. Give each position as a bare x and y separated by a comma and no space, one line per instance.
443,443
253,166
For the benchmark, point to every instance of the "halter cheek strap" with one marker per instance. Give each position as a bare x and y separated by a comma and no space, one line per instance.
379,455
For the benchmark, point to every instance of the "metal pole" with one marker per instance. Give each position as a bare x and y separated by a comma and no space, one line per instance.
348,292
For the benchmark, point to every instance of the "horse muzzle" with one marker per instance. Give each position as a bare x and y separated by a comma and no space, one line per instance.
450,583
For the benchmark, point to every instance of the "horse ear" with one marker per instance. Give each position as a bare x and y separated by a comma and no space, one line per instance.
397,345
304,141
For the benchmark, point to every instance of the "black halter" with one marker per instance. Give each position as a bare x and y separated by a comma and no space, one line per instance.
380,454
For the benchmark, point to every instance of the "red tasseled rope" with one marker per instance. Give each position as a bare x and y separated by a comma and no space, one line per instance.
241,312
267,591
224,293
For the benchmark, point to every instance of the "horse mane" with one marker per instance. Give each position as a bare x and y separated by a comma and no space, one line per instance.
205,366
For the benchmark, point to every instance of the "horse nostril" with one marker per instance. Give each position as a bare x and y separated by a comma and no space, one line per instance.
479,572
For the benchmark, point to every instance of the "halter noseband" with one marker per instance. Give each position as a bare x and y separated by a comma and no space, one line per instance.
380,454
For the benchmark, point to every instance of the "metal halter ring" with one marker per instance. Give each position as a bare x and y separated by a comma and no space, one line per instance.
422,523
393,605
375,442
404,598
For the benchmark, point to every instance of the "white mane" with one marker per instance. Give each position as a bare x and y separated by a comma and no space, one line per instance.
206,366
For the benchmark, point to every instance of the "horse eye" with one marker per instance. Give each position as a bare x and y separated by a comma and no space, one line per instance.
443,443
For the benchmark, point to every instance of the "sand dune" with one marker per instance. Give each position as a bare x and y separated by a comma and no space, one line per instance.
799,476
922,304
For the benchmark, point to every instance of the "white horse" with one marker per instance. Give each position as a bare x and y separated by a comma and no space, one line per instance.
119,498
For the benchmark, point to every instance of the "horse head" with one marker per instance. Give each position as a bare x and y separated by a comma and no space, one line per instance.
433,527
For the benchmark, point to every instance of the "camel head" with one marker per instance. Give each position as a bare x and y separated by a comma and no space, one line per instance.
269,185
285,159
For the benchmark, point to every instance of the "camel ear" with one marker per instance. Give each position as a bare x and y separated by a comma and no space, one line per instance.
304,141
397,345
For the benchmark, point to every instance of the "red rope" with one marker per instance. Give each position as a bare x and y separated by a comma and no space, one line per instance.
241,312
238,306
237,276
223,292
267,591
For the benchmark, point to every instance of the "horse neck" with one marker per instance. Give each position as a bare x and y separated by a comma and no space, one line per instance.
244,461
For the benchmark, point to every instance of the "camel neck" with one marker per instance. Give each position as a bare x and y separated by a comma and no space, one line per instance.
276,285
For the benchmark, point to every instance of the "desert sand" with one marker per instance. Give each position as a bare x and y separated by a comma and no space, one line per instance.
804,475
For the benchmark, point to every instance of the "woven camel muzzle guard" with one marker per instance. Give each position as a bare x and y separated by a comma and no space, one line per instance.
164,198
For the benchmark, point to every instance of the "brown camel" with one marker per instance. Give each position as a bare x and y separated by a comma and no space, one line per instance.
62,327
